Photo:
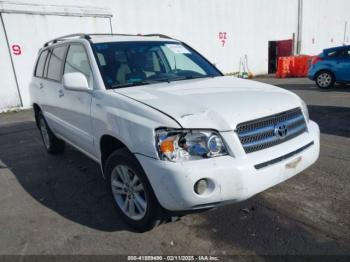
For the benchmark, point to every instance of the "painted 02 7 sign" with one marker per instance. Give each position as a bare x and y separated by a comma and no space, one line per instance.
223,38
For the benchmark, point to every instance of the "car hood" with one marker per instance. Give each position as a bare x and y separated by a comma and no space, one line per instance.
217,103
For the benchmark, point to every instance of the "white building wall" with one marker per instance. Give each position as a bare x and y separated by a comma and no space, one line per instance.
323,25
247,24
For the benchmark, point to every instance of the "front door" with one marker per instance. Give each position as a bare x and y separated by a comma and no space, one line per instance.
343,66
75,105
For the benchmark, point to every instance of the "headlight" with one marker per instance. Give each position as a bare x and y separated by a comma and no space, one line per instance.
305,110
184,145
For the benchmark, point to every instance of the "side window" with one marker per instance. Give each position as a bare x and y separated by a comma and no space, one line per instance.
340,54
47,63
56,62
41,63
333,54
77,61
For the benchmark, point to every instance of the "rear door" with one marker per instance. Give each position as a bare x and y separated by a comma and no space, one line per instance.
74,106
50,86
36,83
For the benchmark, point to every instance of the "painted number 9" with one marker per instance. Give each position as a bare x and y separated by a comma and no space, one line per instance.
16,49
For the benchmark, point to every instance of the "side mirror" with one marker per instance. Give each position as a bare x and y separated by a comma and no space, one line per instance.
75,81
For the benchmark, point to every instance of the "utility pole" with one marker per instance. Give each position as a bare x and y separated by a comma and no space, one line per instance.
345,32
300,25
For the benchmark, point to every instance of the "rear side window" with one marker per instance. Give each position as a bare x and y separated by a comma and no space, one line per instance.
54,70
41,63
77,61
333,54
345,53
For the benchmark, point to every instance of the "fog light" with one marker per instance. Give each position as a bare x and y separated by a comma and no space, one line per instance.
201,186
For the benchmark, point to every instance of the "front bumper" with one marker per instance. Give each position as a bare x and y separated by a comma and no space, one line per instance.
234,178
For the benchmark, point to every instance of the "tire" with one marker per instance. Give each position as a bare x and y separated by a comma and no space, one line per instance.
325,79
52,144
131,191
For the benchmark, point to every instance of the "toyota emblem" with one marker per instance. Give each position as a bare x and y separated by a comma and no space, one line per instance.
281,130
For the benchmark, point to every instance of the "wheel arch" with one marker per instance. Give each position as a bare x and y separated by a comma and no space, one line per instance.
37,110
109,144
324,70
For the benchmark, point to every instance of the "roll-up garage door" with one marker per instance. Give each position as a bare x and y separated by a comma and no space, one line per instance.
9,96
28,31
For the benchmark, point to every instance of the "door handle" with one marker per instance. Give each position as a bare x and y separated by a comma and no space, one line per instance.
60,93
41,85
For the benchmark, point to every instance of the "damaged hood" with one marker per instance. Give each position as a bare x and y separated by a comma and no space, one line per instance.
217,103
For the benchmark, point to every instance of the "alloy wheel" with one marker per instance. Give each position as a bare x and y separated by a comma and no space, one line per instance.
129,192
324,79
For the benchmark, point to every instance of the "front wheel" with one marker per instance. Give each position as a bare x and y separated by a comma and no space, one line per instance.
132,193
325,80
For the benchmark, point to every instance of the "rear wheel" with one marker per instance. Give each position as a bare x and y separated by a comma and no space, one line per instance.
52,144
131,192
325,79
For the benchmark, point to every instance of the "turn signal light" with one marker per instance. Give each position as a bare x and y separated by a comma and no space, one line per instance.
167,146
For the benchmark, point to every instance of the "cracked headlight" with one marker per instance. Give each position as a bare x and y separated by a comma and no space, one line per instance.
184,145
305,110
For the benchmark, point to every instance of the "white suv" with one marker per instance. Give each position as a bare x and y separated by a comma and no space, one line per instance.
171,133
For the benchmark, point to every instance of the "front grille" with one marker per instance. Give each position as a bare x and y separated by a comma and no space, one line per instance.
262,133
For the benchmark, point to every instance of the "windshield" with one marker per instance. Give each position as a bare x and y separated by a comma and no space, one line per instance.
124,64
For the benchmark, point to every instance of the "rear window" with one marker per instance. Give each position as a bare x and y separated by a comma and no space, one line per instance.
54,70
41,63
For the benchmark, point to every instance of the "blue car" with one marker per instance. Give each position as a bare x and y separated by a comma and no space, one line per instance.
330,67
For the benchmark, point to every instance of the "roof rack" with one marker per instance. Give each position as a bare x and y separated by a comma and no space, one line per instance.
61,38
111,34
88,37
147,35
159,35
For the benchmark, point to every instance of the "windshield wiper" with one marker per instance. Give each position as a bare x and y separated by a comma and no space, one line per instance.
189,77
140,83
130,84
156,81
195,77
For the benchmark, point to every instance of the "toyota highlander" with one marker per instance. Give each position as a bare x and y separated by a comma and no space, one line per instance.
171,133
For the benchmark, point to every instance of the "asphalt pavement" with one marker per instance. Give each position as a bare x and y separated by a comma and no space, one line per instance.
59,204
